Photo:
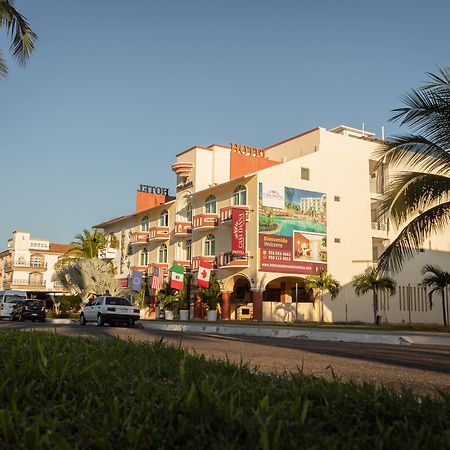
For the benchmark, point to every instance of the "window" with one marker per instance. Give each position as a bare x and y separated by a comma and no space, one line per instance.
36,261
210,245
144,224
162,255
337,240
188,250
210,205
304,173
189,212
144,257
240,196
164,219
337,198
35,278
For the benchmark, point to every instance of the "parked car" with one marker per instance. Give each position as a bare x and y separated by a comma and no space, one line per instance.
7,301
28,310
110,310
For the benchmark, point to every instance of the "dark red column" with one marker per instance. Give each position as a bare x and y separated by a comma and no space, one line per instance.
257,298
226,305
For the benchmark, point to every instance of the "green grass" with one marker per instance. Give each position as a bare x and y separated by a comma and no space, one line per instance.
60,392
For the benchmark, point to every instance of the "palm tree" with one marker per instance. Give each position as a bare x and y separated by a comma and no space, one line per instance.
323,283
418,197
438,280
87,244
87,276
22,36
373,280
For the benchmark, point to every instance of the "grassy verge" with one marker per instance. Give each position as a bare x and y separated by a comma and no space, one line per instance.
61,392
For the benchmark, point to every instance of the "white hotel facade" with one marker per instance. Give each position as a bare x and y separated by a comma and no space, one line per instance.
303,204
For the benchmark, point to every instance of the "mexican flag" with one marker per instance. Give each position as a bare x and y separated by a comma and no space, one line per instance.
176,280
204,272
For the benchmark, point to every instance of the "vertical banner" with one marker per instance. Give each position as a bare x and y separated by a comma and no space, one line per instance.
238,226
136,280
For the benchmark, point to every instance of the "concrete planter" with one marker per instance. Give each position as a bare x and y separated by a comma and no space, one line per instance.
184,314
212,315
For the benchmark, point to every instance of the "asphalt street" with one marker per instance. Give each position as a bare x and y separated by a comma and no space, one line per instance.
425,369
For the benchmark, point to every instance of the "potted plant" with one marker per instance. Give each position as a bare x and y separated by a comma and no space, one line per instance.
211,296
183,298
167,299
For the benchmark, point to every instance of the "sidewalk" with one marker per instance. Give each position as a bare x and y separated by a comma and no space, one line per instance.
297,331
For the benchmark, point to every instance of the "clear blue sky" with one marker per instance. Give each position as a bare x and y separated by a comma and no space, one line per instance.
115,89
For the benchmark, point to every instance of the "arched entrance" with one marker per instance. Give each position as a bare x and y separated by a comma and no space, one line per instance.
285,299
237,299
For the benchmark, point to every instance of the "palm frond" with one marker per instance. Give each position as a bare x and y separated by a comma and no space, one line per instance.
412,236
3,67
415,151
412,192
23,37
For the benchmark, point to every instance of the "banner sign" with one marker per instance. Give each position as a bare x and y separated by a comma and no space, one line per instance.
136,280
238,226
292,230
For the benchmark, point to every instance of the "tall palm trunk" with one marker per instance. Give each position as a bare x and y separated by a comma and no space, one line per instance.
444,313
375,306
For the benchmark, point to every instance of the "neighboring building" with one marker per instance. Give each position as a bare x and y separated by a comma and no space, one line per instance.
267,218
28,265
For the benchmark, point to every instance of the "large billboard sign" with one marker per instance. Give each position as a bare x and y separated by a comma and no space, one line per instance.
292,230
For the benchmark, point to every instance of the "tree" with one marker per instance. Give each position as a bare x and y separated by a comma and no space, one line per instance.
323,283
22,36
373,280
418,196
87,276
438,280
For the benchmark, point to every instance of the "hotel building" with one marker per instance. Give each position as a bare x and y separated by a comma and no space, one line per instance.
267,218
28,265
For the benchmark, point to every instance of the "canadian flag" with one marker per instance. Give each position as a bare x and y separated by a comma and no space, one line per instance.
204,272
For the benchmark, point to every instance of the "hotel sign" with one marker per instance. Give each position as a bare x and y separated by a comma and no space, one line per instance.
247,150
238,225
153,189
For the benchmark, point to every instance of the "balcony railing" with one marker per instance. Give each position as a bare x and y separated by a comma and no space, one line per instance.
139,237
158,233
183,263
227,212
31,284
10,265
205,221
183,228
230,260
381,226
209,259
163,266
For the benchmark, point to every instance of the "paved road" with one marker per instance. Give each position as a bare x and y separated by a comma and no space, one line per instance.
421,368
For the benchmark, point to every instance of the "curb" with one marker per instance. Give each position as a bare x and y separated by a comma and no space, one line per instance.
284,333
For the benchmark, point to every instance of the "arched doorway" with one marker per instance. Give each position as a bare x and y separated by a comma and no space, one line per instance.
237,299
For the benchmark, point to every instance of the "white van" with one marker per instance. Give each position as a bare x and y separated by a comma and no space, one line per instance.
7,299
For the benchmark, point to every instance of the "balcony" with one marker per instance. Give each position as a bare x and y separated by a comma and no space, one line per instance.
33,265
27,284
227,212
380,230
183,228
158,234
208,259
163,266
139,237
205,221
142,269
183,263
228,260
